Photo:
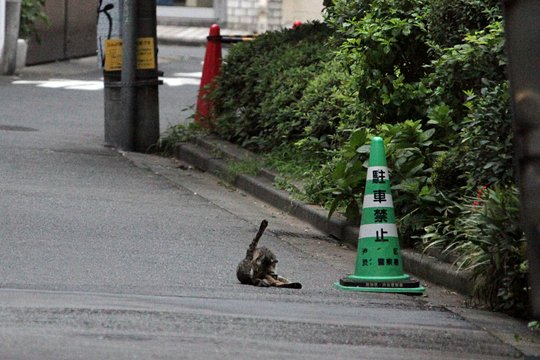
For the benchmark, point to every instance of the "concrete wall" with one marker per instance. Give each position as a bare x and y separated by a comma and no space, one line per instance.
262,15
303,10
200,3
2,26
254,15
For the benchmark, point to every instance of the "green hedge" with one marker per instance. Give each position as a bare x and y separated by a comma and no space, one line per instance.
263,80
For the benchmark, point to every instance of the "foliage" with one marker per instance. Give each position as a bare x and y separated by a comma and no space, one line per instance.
31,13
348,176
449,21
385,52
241,167
487,157
342,11
466,69
329,105
488,240
261,80
292,161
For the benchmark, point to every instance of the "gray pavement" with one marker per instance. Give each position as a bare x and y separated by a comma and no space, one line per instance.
180,25
189,35
113,255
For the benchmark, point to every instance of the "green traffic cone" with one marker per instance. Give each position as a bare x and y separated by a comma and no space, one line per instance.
379,267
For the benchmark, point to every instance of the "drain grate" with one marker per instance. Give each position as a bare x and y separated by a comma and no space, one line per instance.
15,128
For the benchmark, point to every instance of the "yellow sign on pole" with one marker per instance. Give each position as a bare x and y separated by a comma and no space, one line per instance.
146,59
145,54
113,55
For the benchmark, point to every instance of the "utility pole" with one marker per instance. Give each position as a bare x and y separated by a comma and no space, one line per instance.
129,74
147,129
128,54
523,48
2,27
9,53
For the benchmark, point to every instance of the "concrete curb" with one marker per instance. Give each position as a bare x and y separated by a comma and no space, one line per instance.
216,157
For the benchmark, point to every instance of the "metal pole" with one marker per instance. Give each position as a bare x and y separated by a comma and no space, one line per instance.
128,74
9,57
523,48
147,130
2,27
109,26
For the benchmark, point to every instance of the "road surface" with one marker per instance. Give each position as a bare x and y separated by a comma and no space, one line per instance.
112,255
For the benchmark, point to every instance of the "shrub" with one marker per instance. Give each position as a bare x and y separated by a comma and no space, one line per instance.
486,138
329,106
487,239
384,51
260,82
449,21
466,68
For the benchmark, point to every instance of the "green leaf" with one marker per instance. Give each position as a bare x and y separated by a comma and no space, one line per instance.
333,206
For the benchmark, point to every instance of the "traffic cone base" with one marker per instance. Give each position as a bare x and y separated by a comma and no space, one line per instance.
410,286
379,266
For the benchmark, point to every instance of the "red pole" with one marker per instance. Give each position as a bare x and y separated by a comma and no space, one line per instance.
211,65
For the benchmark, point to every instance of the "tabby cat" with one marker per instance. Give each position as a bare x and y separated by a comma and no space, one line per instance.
259,266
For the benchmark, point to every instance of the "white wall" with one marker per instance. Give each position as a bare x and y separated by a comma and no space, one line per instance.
262,15
2,27
303,10
254,15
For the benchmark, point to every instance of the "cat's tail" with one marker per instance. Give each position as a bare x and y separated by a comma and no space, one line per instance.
255,241
293,285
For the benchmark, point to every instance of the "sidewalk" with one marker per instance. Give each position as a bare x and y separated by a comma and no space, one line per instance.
180,25
188,35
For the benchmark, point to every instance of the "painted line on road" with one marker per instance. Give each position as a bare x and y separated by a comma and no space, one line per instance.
192,79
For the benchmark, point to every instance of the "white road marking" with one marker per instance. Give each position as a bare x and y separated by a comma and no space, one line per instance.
196,75
179,79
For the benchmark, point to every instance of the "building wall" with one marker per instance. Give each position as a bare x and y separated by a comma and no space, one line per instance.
243,14
302,10
254,15
262,15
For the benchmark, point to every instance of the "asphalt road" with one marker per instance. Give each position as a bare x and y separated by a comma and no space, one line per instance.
112,255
